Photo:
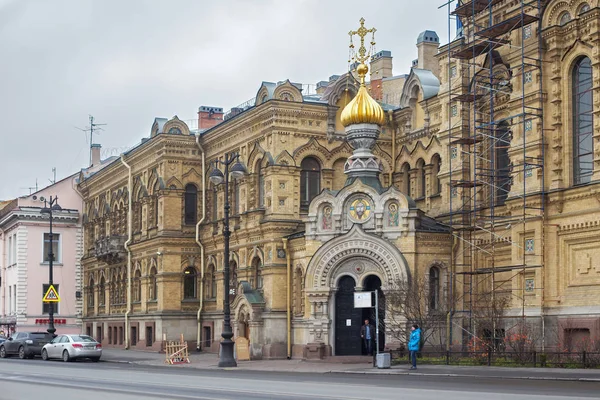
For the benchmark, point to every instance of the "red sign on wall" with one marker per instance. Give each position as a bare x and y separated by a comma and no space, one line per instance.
57,321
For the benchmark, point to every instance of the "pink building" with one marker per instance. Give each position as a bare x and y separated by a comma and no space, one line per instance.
24,247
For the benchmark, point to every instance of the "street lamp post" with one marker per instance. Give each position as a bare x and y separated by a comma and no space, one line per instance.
50,206
217,177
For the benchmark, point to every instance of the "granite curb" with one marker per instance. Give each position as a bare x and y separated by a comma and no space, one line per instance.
387,372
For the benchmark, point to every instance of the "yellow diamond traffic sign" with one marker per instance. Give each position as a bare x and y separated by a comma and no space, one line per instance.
51,295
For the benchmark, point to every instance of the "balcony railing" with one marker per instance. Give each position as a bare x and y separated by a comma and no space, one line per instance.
110,249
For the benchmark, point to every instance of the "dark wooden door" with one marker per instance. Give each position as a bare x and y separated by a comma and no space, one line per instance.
347,319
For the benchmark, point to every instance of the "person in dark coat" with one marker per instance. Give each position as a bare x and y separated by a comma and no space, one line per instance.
367,333
414,344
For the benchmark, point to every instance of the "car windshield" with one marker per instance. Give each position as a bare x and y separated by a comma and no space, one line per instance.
40,335
82,338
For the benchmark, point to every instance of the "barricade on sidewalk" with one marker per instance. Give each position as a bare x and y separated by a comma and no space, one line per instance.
177,352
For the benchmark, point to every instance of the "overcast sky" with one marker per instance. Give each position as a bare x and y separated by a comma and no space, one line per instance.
128,61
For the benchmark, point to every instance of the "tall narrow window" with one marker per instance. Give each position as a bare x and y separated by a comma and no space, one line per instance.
434,288
257,270
502,179
298,292
91,293
421,178
102,292
236,197
583,158
215,203
261,184
137,286
191,204
189,283
406,179
152,287
55,247
233,277
310,181
436,186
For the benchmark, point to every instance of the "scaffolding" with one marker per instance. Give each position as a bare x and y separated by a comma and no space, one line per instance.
496,146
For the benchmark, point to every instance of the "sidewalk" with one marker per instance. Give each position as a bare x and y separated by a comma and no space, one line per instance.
203,361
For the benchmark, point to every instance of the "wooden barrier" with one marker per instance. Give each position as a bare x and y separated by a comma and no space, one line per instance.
177,352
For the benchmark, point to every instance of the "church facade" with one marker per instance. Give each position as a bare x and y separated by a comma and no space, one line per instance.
356,189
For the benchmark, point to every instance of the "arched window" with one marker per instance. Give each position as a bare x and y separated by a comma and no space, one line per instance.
420,178
189,283
310,181
102,292
406,178
191,204
502,179
155,215
434,288
261,183
137,286
564,18
175,131
583,120
436,185
152,287
585,7
91,292
257,271
211,285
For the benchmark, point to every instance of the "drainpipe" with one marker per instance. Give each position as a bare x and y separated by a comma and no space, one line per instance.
82,282
127,243
199,337
289,299
451,296
3,276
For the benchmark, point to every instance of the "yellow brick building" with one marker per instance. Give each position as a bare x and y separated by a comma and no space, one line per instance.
471,180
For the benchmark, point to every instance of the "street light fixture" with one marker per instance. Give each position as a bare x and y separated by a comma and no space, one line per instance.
49,207
217,177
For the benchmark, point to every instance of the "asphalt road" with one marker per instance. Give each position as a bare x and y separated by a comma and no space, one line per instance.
36,379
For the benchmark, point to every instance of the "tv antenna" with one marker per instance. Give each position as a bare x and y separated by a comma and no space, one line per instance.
32,189
91,129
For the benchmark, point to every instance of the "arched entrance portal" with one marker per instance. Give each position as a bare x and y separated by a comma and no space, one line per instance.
347,319
372,283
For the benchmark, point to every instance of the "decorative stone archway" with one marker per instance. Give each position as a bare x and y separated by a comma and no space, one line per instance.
356,254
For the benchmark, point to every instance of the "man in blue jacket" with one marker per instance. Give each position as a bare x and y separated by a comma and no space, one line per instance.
414,344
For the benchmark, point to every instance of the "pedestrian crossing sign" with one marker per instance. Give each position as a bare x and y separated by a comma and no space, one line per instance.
51,295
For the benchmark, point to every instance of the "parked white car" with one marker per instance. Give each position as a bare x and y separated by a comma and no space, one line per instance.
72,347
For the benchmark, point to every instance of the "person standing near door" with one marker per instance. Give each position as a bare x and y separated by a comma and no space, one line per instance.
367,333
414,344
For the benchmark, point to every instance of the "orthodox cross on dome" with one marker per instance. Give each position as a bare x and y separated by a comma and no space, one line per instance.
361,32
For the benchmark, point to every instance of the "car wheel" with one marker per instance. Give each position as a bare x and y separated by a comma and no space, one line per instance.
22,354
2,352
95,359
66,357
44,355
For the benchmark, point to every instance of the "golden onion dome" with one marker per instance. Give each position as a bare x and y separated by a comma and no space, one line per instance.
363,109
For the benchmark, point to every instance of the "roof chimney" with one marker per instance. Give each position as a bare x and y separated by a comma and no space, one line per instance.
209,117
428,43
95,149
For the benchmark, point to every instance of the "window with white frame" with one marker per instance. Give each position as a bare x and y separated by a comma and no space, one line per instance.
14,249
9,260
453,71
528,77
55,247
527,32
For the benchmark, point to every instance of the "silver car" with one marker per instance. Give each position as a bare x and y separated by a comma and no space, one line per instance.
72,347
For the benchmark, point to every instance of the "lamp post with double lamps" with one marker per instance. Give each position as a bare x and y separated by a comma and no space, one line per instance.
49,207
217,177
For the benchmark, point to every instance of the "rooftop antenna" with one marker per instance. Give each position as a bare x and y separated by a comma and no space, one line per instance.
32,189
91,129
53,181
